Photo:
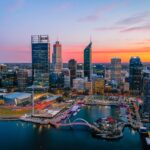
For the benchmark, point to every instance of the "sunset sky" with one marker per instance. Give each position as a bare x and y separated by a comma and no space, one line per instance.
117,28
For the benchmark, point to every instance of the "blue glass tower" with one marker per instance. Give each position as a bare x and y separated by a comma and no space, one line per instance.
135,75
40,60
87,61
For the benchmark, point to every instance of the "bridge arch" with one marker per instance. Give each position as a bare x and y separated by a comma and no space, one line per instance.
83,120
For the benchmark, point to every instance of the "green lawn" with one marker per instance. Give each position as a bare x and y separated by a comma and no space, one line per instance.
7,112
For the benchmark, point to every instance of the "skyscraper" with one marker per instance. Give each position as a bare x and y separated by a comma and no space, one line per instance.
116,69
135,75
88,61
57,57
146,90
40,59
72,65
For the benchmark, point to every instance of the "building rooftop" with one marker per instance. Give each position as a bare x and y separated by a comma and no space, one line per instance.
17,95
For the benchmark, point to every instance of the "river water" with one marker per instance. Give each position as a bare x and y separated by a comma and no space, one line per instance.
16,135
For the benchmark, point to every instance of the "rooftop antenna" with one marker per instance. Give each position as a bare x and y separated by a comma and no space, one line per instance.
90,38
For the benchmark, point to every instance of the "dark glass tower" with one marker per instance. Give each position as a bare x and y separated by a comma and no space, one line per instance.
40,60
87,61
72,65
135,75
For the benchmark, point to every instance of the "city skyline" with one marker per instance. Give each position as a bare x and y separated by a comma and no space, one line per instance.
116,28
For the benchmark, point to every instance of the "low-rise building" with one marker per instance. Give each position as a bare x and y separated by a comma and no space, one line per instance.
17,98
98,86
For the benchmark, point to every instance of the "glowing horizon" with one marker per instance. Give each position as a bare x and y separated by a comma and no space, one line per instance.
116,29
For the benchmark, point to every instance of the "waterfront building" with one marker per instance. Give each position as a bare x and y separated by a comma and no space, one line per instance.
17,98
88,61
116,69
98,86
66,73
135,75
57,57
72,65
22,79
99,70
40,59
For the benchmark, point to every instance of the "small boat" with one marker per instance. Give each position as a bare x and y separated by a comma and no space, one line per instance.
75,114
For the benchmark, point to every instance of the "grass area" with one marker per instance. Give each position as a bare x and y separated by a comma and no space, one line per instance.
9,112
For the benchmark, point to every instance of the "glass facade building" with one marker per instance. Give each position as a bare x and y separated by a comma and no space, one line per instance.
87,61
72,65
135,75
40,59
116,69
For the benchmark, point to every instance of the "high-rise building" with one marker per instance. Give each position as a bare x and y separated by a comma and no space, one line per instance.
22,79
40,59
135,75
66,73
72,65
116,69
146,90
88,61
57,57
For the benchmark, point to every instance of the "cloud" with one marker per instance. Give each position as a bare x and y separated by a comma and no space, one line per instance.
137,18
97,14
108,28
137,28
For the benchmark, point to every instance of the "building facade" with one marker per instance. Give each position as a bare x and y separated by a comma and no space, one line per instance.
88,61
72,65
40,59
116,69
146,90
98,86
57,57
135,75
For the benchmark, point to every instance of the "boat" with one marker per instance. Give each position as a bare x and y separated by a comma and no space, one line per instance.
143,130
74,114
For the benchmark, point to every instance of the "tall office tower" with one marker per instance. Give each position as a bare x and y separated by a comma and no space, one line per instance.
40,60
116,69
146,90
135,75
22,79
72,65
57,57
88,61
